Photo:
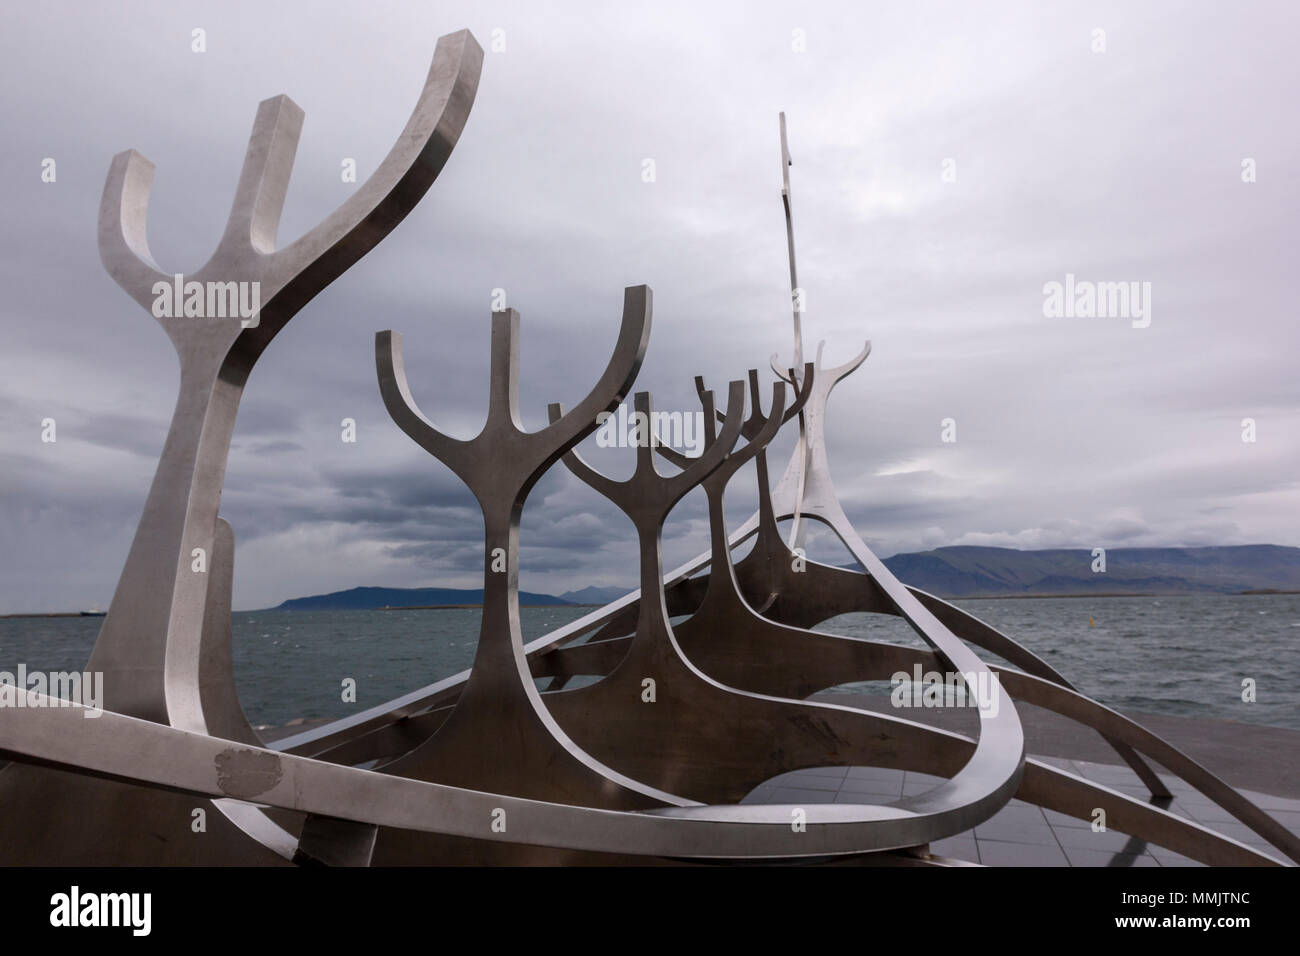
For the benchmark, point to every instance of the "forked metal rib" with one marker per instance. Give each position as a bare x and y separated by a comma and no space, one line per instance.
531,755
156,615
151,646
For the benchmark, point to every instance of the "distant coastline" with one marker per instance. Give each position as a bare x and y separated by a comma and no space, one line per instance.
461,607
1258,592
1116,594
959,573
59,614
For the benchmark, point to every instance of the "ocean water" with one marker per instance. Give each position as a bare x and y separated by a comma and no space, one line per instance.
1184,656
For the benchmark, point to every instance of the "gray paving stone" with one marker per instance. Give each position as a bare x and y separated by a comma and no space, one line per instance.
1170,858
927,778
999,853
916,783
1061,820
1288,818
857,796
1107,773
1209,813
1109,841
880,788
1138,790
801,796
873,773
837,772
1235,829
1016,833
1025,814
1079,857
1268,801
959,848
808,781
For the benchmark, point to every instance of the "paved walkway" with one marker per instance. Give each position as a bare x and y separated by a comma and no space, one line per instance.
1022,834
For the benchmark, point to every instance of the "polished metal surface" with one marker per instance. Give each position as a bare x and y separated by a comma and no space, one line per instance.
648,763
147,648
156,646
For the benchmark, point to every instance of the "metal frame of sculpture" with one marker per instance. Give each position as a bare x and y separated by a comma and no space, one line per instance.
482,767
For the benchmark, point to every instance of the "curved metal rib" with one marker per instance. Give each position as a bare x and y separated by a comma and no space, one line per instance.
131,750
390,367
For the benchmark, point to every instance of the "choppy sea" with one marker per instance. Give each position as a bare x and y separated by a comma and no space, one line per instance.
1184,656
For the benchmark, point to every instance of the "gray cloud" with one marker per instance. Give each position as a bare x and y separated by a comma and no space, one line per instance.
1071,432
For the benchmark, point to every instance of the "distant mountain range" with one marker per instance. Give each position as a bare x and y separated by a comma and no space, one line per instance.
371,599
952,573
594,595
1000,572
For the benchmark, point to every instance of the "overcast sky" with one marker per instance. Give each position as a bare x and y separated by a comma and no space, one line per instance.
1122,165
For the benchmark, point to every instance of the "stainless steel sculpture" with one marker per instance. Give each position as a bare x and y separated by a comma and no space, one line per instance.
646,764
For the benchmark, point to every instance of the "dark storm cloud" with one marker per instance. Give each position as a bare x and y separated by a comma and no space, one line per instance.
275,447
1115,166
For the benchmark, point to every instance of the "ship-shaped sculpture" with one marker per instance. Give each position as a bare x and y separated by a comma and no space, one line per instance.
648,763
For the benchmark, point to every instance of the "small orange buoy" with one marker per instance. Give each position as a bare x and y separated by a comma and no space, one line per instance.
1090,624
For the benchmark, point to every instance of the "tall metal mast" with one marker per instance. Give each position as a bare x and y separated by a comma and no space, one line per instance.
795,298
799,528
